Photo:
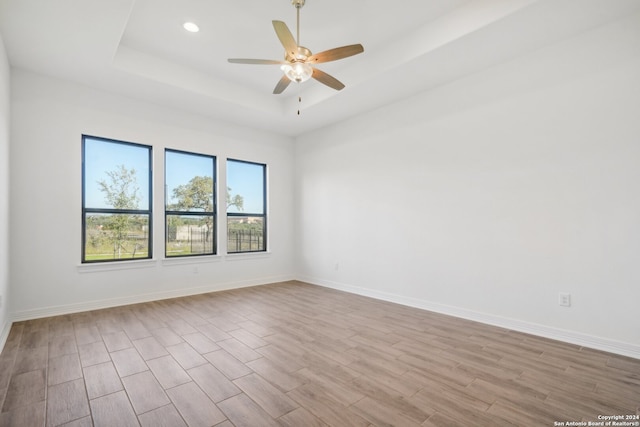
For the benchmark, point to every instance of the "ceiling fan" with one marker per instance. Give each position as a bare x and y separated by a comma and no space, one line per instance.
298,60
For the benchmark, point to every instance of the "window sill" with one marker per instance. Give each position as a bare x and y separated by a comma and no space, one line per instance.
151,263
116,265
246,255
190,260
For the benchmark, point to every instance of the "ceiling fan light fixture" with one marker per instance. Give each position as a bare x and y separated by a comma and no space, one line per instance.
297,71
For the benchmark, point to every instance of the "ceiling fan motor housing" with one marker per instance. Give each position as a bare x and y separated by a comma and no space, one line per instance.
301,56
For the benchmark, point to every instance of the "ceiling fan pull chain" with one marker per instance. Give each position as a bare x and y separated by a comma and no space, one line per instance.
299,98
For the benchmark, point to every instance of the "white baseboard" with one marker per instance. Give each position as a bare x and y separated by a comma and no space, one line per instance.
136,299
4,334
578,338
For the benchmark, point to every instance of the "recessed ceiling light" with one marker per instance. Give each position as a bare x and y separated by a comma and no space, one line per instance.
191,27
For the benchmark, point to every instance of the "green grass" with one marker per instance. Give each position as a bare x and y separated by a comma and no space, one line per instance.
104,256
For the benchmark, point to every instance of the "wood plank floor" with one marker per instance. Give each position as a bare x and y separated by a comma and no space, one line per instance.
293,354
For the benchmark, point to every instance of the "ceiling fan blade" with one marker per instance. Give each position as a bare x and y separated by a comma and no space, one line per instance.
326,79
335,54
255,61
286,38
282,85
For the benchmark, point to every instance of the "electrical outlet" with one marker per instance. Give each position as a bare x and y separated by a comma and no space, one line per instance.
564,299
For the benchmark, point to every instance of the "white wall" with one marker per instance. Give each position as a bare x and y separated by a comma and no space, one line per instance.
487,197
48,118
4,194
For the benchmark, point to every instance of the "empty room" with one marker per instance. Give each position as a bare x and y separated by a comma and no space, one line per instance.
319,213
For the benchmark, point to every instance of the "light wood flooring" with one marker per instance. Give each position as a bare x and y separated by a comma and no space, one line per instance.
293,354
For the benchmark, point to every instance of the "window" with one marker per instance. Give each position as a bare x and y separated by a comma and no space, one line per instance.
116,200
246,207
189,204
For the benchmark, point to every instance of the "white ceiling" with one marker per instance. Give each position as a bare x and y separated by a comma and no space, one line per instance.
139,48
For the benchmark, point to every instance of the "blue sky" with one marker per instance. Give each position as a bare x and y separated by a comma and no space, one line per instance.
246,179
101,157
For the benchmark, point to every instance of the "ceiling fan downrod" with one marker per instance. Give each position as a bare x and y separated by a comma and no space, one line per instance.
298,4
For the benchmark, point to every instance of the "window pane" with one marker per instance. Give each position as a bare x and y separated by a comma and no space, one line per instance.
190,235
116,236
116,198
116,175
245,187
245,234
190,187
189,182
